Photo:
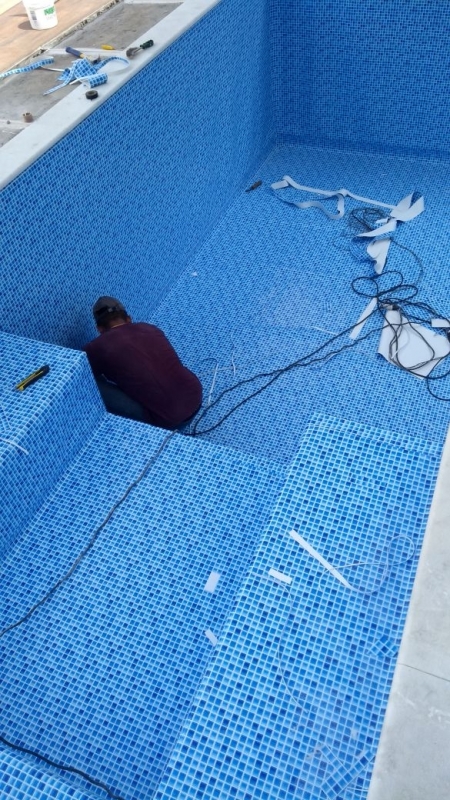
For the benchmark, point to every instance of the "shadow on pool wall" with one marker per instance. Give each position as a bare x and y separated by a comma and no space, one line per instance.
362,76
122,203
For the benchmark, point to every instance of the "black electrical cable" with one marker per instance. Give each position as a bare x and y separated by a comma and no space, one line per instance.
274,375
51,592
392,295
92,540
365,219
51,763
385,295
414,254
400,296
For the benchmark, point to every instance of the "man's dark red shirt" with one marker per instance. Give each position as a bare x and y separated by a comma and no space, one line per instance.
141,361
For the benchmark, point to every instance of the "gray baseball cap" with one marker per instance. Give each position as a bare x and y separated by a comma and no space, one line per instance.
106,305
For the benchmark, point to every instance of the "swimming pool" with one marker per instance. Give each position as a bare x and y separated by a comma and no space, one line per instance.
146,200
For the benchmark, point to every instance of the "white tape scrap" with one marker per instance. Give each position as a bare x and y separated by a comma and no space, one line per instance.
378,251
369,309
211,583
409,345
389,227
14,444
300,540
280,576
340,195
212,637
440,322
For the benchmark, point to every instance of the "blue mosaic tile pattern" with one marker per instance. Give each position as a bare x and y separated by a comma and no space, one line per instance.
293,703
273,283
20,778
362,76
120,205
50,420
103,675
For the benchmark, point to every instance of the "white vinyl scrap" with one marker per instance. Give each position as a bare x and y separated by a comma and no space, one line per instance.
410,346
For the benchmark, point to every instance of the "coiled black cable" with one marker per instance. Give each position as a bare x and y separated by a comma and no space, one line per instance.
397,294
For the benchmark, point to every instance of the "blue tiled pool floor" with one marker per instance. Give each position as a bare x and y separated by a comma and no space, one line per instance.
292,706
271,274
102,676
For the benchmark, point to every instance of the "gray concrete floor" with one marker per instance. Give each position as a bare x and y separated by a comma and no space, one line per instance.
118,26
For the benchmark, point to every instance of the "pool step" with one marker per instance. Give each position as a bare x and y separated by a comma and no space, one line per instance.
22,776
102,676
41,428
293,703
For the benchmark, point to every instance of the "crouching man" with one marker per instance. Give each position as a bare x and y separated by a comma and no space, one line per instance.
138,372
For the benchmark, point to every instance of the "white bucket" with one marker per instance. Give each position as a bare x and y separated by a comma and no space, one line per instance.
41,13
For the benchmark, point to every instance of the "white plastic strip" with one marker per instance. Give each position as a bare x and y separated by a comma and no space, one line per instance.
212,637
378,251
280,576
404,211
211,583
288,181
301,541
383,229
440,322
14,444
369,309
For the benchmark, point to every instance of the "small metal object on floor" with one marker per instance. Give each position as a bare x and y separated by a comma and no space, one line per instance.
254,186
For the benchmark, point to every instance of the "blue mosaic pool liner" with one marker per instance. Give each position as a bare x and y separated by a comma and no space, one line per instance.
361,76
102,677
165,156
294,701
41,428
21,777
273,283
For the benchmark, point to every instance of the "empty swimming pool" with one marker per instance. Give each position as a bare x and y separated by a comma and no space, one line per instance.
141,674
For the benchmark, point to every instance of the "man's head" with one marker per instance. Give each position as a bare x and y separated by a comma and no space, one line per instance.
108,313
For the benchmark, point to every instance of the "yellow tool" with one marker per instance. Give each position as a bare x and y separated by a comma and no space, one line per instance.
39,373
106,47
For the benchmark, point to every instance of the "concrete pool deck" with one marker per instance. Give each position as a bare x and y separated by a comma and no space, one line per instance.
85,25
18,40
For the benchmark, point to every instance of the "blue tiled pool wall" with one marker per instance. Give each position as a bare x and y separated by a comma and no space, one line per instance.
362,75
103,675
44,426
293,703
122,203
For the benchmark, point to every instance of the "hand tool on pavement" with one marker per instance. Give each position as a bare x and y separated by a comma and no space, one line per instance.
133,50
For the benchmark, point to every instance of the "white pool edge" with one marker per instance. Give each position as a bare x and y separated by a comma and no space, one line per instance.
412,761
31,143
